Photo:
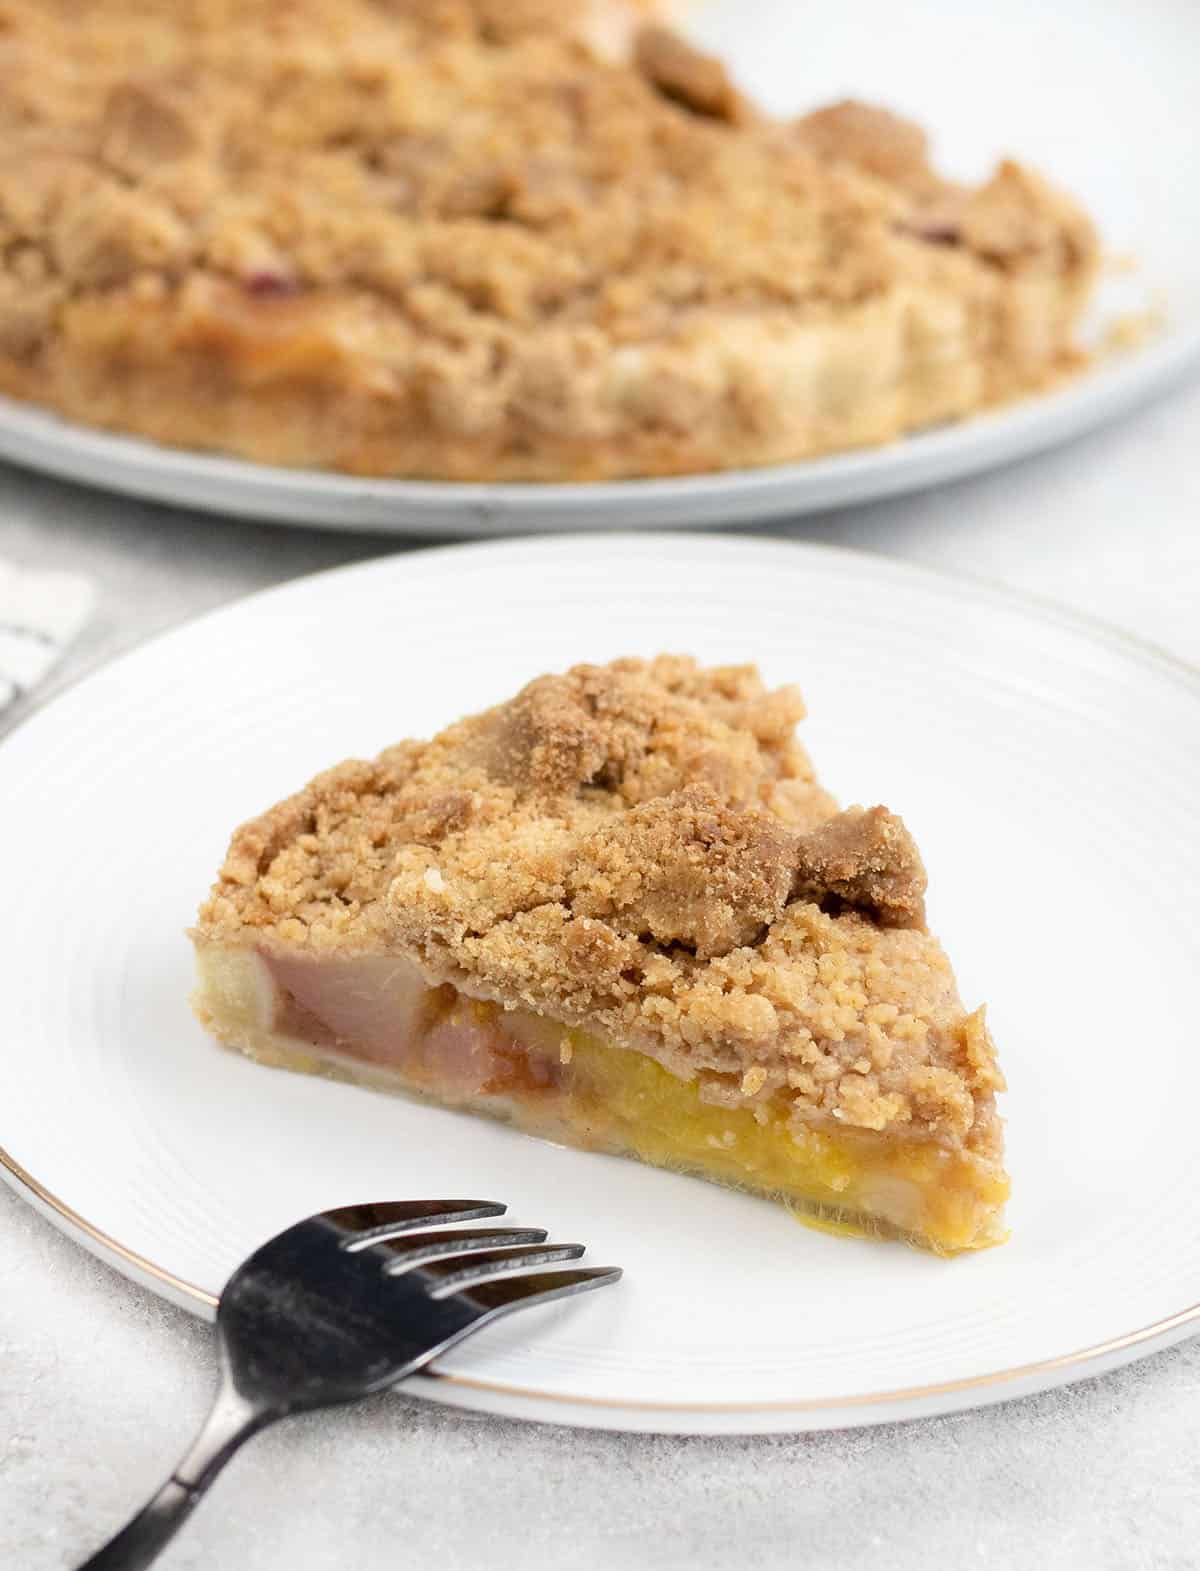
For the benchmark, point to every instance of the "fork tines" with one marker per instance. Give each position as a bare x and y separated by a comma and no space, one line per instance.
381,1219
495,1268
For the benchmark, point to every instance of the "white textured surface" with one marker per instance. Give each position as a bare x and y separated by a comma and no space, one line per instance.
99,1383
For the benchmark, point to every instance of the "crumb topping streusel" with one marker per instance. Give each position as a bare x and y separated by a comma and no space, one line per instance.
451,237
640,849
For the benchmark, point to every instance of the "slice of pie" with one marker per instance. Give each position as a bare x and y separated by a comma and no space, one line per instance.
620,911
457,239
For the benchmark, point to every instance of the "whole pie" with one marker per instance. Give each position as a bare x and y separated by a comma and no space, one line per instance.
620,911
491,239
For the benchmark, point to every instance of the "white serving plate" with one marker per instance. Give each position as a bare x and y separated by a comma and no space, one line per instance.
1048,769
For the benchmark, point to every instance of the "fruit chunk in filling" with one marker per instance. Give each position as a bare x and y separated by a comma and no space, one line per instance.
376,1019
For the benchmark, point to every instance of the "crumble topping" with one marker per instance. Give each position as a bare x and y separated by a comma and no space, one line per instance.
870,139
452,237
685,74
864,860
642,850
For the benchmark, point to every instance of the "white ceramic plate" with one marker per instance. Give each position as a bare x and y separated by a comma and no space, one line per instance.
1048,770
1106,104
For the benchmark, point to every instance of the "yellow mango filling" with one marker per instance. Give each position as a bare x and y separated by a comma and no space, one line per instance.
861,1181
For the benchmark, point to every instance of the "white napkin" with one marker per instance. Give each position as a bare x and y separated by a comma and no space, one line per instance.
40,613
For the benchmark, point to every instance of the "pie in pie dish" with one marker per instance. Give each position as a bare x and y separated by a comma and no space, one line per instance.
491,240
620,911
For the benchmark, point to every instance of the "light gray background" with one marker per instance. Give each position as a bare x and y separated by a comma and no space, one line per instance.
101,1384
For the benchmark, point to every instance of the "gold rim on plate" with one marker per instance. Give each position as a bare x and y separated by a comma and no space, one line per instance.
201,1300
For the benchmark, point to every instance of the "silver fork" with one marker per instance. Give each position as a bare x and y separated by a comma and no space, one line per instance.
339,1307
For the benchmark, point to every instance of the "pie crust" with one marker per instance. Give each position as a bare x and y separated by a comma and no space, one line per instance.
458,239
621,911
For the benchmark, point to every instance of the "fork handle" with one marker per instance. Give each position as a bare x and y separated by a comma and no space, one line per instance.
142,1539
229,1425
